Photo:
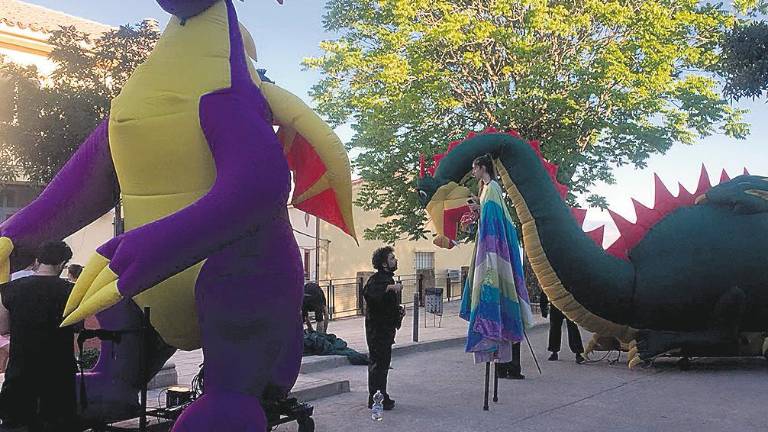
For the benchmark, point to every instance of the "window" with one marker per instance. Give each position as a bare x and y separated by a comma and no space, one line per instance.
8,198
424,261
306,264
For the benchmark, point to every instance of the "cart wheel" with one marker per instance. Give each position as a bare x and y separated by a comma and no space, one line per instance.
306,424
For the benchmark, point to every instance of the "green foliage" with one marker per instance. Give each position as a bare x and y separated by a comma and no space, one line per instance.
751,7
744,60
49,117
600,83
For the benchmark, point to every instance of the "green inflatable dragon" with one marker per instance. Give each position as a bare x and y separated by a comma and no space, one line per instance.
688,278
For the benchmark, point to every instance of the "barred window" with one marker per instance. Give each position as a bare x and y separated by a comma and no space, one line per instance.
424,261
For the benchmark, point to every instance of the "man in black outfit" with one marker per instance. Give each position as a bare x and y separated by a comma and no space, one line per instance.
39,387
556,318
382,319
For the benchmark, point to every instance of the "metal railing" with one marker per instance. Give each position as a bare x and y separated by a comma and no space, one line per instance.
344,296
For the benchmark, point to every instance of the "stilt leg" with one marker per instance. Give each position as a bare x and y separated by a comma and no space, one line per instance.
495,382
487,382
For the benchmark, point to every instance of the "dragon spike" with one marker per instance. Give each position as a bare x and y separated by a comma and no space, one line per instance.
724,177
453,144
745,171
579,214
684,197
704,183
551,169
618,248
664,201
561,189
597,234
514,133
490,129
630,233
646,217
536,146
470,135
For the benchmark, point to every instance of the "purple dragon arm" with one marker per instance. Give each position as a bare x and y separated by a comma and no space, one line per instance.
82,191
251,188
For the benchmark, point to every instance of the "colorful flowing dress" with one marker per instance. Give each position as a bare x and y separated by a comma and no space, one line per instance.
495,299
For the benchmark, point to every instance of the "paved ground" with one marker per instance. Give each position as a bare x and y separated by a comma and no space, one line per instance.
438,388
452,328
442,391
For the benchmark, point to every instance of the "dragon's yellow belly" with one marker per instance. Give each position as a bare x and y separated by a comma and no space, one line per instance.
162,159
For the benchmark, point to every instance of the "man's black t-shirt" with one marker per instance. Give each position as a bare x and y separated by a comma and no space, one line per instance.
35,305
382,306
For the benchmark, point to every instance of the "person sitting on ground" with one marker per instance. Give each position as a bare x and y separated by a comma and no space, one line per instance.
314,301
39,387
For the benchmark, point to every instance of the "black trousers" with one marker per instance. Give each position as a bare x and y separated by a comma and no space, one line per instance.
513,367
43,401
380,340
555,331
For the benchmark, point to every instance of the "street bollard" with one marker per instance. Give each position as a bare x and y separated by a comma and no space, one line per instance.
416,317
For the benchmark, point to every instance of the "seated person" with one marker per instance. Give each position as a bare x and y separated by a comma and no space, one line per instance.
314,301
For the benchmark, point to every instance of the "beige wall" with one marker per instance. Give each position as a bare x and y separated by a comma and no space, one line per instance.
344,258
304,232
85,241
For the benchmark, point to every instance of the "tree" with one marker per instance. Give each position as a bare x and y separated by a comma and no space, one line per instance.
744,57
49,117
744,60
600,83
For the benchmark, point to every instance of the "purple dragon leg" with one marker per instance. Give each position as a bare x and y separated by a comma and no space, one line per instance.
248,298
112,386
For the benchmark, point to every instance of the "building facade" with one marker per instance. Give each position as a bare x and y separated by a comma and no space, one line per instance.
24,32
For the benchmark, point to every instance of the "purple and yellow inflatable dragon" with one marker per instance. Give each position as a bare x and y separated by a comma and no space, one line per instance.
190,150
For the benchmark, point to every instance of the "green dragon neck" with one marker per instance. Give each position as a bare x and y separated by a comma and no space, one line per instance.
591,287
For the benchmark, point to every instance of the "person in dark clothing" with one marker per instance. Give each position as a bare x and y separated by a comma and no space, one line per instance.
39,387
556,318
73,272
511,369
383,316
314,301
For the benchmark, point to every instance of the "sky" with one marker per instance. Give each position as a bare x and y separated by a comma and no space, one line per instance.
286,34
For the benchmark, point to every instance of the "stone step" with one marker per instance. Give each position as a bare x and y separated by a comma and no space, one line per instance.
309,388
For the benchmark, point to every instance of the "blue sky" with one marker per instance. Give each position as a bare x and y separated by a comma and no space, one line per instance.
286,34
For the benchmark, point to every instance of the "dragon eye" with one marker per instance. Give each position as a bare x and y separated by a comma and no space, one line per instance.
423,194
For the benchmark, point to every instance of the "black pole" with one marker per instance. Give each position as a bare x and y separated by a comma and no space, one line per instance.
487,379
360,297
416,317
144,351
317,249
118,223
495,382
535,360
421,289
